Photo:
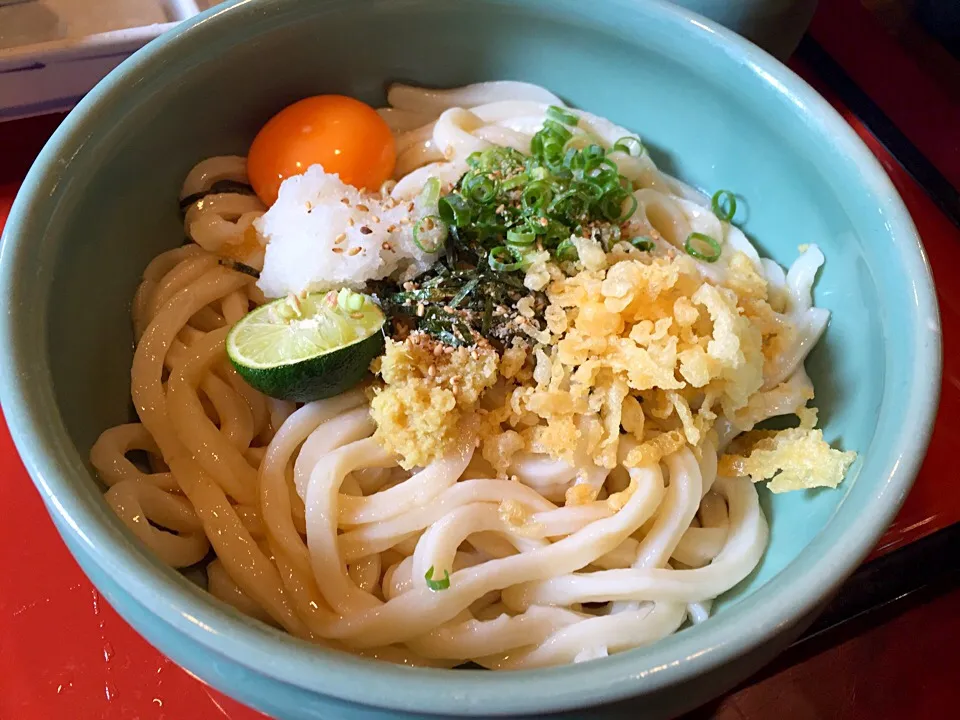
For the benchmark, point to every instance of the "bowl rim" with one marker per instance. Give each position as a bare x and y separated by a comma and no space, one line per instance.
57,469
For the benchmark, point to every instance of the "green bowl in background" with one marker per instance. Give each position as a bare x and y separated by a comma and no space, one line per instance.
101,201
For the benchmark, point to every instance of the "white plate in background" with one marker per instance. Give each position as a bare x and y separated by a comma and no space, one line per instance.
52,52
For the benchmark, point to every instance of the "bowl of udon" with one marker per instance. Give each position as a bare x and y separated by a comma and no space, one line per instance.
429,359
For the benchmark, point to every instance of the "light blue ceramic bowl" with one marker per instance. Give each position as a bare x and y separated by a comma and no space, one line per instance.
101,201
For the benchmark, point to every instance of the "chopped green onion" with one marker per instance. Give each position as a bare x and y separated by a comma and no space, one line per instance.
643,243
631,209
437,585
499,265
562,116
430,193
429,223
567,251
521,237
473,159
574,203
629,145
598,167
710,253
553,153
593,151
479,188
573,159
536,145
454,210
591,190
536,196
724,205
515,181
556,130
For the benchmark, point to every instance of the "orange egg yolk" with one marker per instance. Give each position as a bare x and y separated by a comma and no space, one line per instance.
343,135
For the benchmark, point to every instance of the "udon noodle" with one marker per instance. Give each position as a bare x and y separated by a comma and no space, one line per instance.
304,520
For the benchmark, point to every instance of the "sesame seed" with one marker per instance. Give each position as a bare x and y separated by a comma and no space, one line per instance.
438,350
387,246
392,228
432,370
350,222
338,250
410,207
420,310
363,208
375,219
365,230
345,201
340,238
353,251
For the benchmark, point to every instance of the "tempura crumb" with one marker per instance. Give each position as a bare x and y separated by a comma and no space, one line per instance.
427,394
793,459
581,494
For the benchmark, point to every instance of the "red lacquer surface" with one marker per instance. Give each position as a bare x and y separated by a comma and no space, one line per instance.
64,653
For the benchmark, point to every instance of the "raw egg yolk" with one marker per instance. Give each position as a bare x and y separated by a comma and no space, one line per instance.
344,135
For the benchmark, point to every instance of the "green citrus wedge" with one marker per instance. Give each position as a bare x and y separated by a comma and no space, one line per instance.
307,348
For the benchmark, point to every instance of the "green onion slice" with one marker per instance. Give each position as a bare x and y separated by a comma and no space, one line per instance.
536,196
631,209
515,181
521,237
503,259
562,116
567,251
479,188
454,210
430,193
437,585
643,243
556,130
428,225
703,247
724,205
629,145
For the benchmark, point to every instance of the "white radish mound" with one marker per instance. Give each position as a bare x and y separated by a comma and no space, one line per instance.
322,234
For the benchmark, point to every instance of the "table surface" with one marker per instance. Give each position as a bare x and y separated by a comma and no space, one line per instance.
65,653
